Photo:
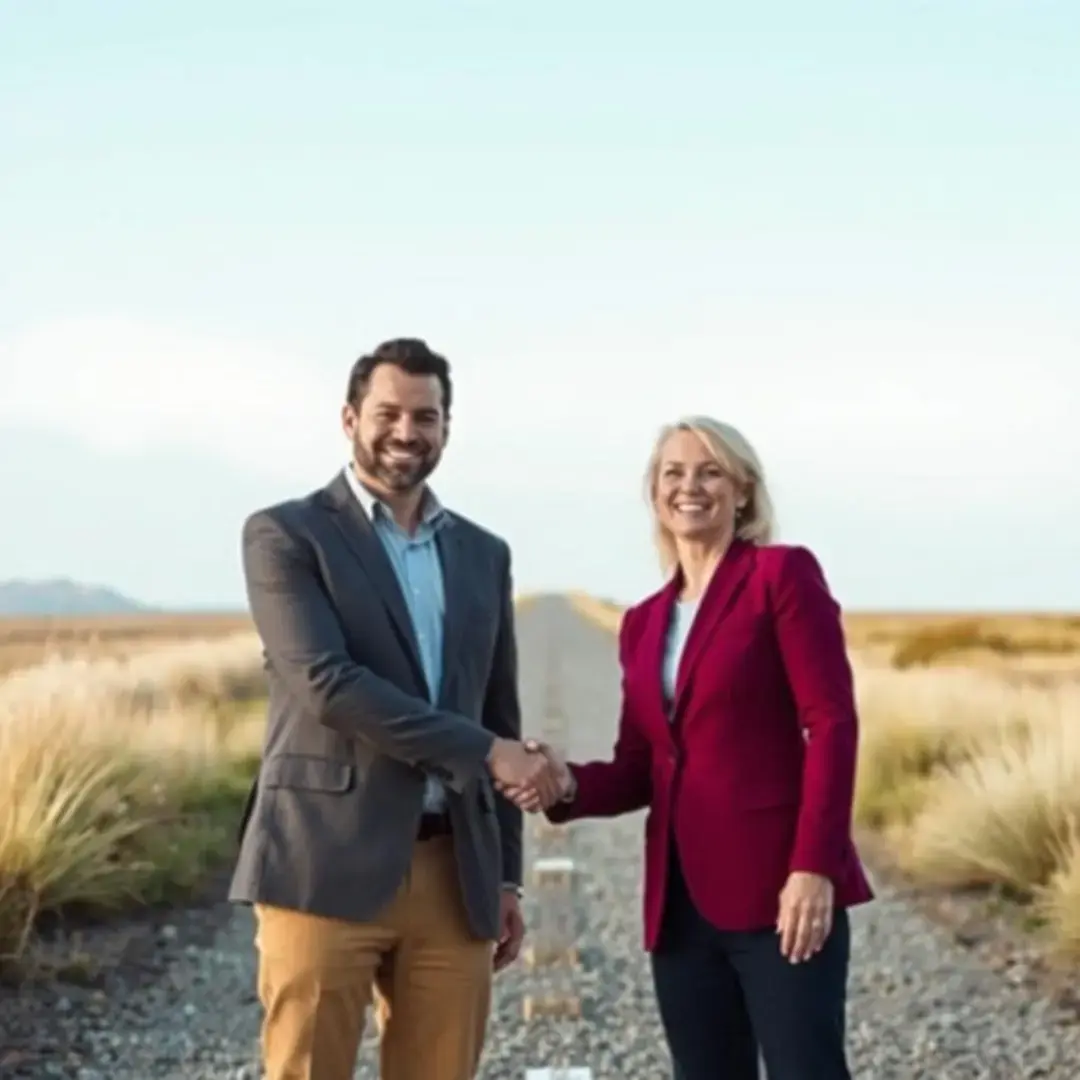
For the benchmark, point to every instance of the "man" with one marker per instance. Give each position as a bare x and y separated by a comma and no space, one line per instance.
374,849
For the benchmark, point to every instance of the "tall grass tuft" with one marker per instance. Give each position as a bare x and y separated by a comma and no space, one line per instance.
120,782
1059,900
1004,817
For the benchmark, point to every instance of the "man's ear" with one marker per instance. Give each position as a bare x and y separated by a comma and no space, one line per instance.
349,420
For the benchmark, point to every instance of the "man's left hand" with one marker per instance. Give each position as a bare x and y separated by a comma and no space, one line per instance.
511,930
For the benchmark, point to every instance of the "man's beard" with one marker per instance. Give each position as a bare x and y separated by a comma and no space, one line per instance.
396,476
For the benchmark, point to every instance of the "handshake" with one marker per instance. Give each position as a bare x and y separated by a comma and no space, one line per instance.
530,774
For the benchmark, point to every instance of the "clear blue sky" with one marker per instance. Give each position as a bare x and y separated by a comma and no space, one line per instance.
852,229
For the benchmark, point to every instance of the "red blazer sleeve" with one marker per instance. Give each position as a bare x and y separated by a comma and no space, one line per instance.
619,786
811,639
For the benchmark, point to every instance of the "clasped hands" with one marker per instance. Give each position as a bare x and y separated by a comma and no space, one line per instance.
530,774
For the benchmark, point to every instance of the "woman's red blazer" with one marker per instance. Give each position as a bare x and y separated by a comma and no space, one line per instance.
753,771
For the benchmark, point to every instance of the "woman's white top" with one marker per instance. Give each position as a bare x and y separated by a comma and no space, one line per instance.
682,618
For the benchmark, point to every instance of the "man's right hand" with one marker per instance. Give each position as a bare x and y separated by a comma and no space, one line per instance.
514,766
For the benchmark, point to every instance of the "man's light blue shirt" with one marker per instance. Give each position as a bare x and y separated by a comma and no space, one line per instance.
418,569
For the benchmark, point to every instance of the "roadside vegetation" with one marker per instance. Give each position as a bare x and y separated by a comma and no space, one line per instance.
27,641
127,749
122,780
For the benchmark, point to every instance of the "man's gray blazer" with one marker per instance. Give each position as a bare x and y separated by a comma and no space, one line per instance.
331,821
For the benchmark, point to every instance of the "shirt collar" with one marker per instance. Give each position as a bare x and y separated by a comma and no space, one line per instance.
432,512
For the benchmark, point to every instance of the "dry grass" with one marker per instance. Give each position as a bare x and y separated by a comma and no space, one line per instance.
28,641
121,780
1016,642
126,751
971,773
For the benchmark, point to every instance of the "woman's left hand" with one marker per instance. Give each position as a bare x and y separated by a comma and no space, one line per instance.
806,914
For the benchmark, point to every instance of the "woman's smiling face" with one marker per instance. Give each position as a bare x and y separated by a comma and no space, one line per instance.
696,497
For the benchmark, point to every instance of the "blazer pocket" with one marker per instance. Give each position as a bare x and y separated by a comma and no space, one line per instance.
771,800
303,773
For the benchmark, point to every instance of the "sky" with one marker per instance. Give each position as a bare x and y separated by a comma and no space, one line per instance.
850,229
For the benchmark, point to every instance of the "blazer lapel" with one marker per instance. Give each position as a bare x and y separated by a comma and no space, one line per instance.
457,594
716,601
360,535
653,644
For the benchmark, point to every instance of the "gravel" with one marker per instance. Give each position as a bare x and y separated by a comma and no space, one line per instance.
179,1003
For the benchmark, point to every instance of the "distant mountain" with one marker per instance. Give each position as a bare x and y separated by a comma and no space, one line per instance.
61,596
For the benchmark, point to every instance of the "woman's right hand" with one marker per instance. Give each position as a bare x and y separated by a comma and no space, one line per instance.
529,799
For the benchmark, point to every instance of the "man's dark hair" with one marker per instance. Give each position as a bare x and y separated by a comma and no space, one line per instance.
411,355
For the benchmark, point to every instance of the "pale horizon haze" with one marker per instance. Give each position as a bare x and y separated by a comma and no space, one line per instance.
850,229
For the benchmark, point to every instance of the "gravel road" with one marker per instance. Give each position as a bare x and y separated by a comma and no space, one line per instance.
181,1006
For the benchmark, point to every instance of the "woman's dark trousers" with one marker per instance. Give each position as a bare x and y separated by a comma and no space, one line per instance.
725,995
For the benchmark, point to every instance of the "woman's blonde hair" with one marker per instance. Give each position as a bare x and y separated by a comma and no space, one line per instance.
756,522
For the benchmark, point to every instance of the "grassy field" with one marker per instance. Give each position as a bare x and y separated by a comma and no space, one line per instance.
127,747
125,757
969,767
122,769
27,641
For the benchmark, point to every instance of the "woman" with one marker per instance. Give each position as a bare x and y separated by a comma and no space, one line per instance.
738,731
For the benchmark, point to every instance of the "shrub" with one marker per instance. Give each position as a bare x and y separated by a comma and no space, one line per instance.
120,783
1059,901
933,643
1005,817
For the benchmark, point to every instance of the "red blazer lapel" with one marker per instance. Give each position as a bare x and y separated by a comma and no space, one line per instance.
656,620
716,601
